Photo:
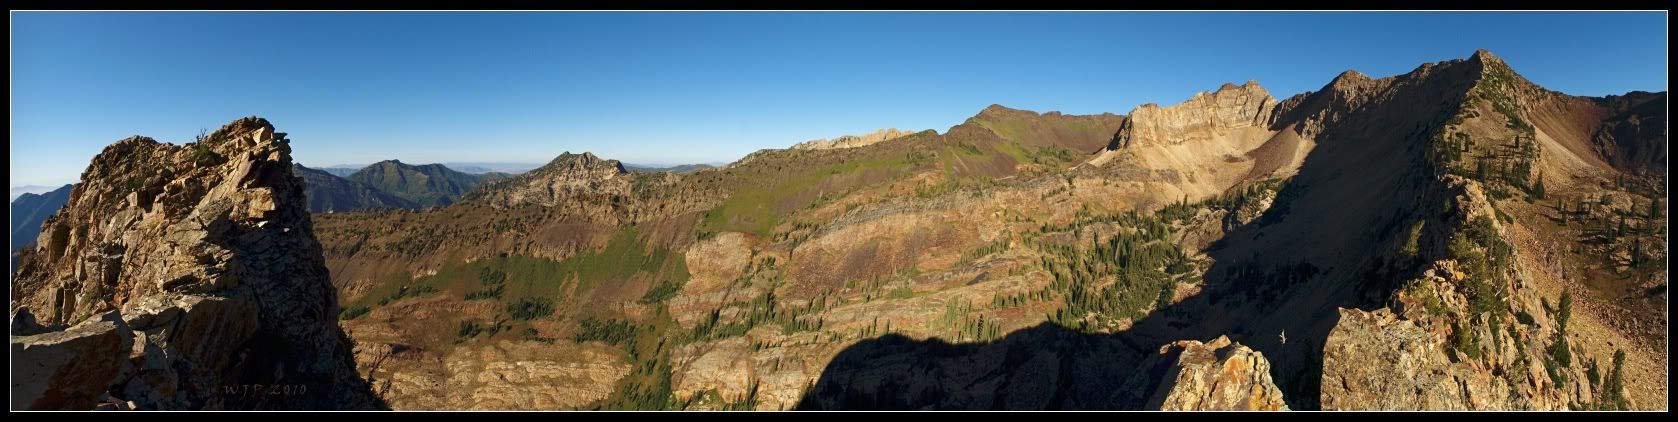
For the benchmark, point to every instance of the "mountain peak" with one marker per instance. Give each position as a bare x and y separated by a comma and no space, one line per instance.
559,183
1349,77
1484,55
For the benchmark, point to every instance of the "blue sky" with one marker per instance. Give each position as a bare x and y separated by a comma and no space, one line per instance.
667,88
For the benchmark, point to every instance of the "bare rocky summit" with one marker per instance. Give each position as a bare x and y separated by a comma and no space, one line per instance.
190,278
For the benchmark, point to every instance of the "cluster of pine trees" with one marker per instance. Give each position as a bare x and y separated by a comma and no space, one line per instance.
1141,260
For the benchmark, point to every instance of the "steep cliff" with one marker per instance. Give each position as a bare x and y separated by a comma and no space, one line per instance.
191,279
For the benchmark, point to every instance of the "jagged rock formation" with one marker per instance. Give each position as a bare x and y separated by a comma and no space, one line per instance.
29,210
201,256
328,193
1220,375
853,141
426,185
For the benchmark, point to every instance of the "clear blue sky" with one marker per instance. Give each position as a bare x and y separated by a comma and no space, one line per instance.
665,88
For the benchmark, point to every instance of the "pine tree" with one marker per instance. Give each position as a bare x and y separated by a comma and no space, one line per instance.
1538,189
1654,208
1636,252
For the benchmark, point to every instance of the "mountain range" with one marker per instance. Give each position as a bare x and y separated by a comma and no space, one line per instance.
1455,237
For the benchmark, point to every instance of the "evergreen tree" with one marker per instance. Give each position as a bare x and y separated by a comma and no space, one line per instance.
1538,189
1636,252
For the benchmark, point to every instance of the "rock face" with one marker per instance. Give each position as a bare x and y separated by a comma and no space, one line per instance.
1230,107
577,182
1373,361
853,141
207,256
1219,375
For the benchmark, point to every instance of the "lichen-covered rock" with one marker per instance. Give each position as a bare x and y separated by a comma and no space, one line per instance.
208,250
1219,375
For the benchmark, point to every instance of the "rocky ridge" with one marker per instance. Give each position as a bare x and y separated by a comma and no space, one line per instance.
853,141
190,278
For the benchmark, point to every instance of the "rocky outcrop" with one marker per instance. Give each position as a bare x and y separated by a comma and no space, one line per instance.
853,141
204,256
1373,361
1201,117
1207,145
1219,375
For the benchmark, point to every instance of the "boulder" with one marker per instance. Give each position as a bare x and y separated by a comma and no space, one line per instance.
69,369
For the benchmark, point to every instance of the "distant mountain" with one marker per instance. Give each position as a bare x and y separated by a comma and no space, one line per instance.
483,167
679,169
35,189
426,185
340,171
29,210
570,182
326,192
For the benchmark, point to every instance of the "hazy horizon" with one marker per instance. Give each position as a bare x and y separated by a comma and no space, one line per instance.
668,88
